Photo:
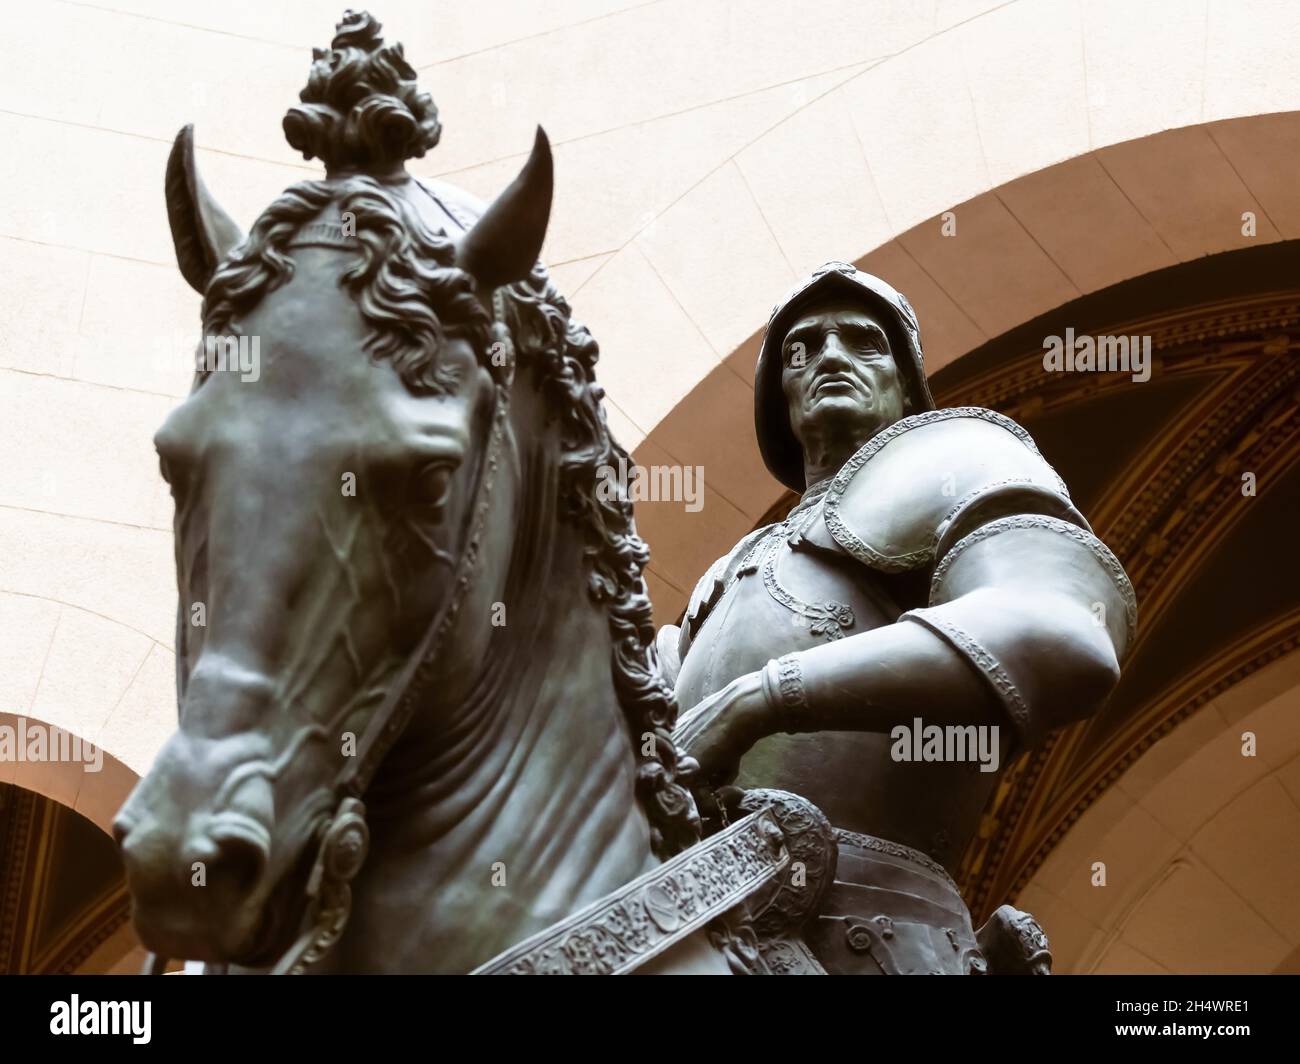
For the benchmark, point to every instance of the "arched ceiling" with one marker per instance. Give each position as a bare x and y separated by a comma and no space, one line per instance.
705,155
63,900
774,139
1199,842
1158,469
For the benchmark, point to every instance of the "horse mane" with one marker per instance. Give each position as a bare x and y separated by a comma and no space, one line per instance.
565,354
406,283
361,112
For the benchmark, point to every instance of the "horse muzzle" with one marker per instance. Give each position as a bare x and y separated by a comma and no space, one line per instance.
199,895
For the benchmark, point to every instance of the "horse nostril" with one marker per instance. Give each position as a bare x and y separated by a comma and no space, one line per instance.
238,864
121,829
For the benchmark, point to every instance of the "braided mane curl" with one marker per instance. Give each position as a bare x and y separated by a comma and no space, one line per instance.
541,323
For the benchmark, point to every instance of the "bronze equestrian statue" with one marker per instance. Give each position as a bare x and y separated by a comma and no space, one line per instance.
933,576
424,722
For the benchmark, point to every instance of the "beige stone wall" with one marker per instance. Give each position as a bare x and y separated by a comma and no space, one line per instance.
707,153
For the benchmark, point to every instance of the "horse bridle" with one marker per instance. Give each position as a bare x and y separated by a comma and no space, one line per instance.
344,840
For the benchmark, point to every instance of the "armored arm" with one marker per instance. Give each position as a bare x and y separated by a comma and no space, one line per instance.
1028,619
1040,609
1028,614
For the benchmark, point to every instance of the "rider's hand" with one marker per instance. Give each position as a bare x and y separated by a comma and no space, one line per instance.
719,730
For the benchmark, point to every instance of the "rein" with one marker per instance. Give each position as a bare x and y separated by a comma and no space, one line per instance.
345,837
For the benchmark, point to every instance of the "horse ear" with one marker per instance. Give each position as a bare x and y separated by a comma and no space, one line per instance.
202,232
505,243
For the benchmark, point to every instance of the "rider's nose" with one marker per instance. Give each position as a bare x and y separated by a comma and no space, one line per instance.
834,352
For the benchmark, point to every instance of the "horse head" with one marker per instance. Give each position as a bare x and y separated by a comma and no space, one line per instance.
351,482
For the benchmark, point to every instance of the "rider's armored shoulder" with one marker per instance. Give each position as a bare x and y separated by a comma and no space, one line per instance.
926,480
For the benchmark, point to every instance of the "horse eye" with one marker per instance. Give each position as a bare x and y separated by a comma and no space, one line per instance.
432,485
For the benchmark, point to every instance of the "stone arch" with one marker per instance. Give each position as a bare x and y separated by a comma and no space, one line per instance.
97,936
97,796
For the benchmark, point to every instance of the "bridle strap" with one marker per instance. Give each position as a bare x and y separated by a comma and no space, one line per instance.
346,840
388,722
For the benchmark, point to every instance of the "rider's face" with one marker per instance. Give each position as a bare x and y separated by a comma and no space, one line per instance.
838,373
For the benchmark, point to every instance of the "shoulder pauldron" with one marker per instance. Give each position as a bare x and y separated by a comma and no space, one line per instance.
929,478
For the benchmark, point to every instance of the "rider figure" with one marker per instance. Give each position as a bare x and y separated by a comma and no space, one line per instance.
934,577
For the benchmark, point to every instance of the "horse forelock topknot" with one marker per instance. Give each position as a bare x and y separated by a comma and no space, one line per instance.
406,284
545,333
361,107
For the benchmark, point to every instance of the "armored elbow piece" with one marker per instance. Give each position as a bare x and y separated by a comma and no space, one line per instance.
1042,609
1021,587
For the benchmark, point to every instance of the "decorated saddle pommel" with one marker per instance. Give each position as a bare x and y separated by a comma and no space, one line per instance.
1013,943
772,919
926,478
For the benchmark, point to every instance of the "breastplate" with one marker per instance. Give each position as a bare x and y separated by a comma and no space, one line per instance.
786,594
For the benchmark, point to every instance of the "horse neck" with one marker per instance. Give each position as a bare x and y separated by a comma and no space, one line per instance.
531,779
